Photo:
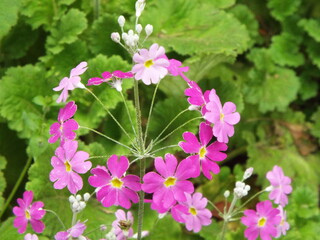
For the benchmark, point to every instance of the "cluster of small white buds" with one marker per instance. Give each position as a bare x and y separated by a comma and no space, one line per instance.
130,39
76,204
241,189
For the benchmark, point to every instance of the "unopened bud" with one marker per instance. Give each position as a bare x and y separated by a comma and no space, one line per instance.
139,28
148,29
75,205
226,194
140,4
82,205
72,199
193,108
115,37
162,215
269,189
121,21
125,36
86,196
78,197
247,173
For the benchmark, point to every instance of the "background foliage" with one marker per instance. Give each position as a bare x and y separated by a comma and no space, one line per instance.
262,55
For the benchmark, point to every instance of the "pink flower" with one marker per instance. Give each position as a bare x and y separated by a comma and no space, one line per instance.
284,226
28,211
71,82
262,222
280,186
67,164
192,212
115,189
123,225
75,231
107,76
65,126
205,156
223,118
171,185
175,68
30,236
150,67
194,93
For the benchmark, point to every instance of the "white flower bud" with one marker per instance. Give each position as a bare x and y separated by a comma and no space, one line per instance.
82,205
72,199
193,108
269,189
121,21
86,196
226,194
125,36
78,197
82,238
115,37
75,205
140,4
247,173
162,215
148,29
139,28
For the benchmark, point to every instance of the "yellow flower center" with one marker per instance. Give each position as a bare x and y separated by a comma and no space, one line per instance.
116,183
221,116
170,181
27,214
262,221
193,211
282,222
148,63
68,166
202,152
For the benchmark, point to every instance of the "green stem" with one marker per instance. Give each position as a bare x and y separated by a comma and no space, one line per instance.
109,138
159,149
226,217
59,219
107,110
96,11
215,207
250,199
150,112
129,115
16,186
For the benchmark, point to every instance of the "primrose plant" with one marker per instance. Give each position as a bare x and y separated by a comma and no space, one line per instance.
170,184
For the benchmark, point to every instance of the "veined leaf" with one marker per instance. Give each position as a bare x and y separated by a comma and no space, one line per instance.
312,27
281,9
8,15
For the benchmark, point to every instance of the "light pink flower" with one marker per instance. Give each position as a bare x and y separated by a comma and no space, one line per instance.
75,231
71,82
123,225
65,126
192,212
28,212
284,226
223,118
30,236
171,185
115,188
67,164
150,67
204,157
280,186
107,76
262,222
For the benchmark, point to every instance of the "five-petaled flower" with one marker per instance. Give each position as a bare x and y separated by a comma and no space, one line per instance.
204,156
65,126
28,212
150,67
67,164
123,225
115,188
284,226
71,82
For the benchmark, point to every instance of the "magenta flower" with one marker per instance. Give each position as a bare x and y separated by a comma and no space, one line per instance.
284,226
115,188
107,76
171,185
192,212
30,236
28,211
75,231
71,82
223,118
205,156
262,222
67,164
280,186
65,126
150,67
123,225
194,93
175,68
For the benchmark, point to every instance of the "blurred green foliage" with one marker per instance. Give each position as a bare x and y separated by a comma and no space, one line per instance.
262,55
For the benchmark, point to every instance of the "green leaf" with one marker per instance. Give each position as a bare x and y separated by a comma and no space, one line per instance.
16,102
220,3
161,231
3,184
284,50
280,9
315,130
312,27
262,59
8,15
69,27
305,202
196,30
309,86
313,50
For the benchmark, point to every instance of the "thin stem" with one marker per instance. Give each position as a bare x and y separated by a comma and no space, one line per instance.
129,115
226,217
182,125
255,195
159,149
16,186
59,219
168,125
109,138
150,112
107,110
215,207
96,8
138,116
